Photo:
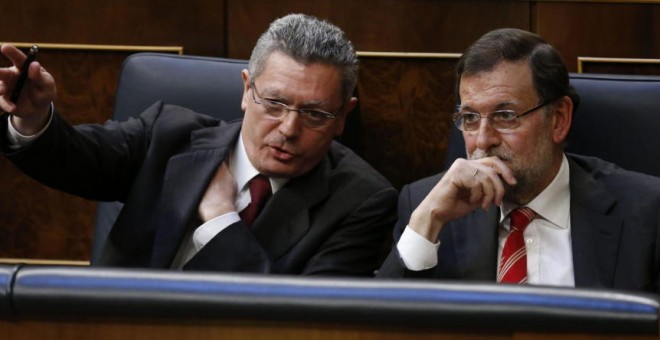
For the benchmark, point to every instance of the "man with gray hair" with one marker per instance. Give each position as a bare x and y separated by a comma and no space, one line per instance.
271,194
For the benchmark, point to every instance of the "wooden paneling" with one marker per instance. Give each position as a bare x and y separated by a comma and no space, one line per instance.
405,114
177,329
101,329
198,25
619,66
621,30
381,25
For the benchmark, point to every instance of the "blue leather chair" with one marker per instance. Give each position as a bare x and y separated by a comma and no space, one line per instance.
618,120
212,86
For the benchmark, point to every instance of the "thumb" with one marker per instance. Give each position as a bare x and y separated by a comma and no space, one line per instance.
41,85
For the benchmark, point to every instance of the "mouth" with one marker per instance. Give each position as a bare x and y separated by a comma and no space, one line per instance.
281,154
503,155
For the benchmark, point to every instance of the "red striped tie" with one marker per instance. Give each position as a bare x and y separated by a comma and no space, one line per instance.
513,264
260,191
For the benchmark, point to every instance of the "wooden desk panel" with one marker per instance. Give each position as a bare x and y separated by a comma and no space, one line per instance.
111,329
115,329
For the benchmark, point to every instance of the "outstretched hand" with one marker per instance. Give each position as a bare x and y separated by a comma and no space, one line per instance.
30,112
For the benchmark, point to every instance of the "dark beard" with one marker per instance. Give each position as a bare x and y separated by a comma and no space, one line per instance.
521,193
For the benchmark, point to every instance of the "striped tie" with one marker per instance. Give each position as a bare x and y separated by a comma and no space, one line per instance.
513,264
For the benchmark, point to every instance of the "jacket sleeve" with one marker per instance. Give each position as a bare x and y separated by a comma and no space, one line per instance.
393,266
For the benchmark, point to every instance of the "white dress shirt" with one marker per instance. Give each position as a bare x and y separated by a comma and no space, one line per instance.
547,237
17,140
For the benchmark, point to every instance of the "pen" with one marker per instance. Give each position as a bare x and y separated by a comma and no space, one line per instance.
22,77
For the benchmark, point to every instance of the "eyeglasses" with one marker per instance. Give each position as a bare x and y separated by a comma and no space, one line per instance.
279,110
501,120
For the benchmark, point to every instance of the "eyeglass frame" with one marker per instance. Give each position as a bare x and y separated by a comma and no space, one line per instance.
458,115
285,108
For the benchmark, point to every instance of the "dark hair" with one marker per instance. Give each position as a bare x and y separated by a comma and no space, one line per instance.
308,39
549,72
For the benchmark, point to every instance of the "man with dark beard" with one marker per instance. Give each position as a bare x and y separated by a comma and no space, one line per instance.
519,209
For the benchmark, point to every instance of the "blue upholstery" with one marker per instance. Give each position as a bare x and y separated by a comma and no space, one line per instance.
74,291
212,86
618,120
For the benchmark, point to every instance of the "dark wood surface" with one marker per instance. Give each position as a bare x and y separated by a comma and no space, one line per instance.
382,25
404,102
196,24
145,328
590,29
404,116
622,66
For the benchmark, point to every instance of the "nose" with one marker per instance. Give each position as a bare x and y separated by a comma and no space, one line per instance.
487,136
290,124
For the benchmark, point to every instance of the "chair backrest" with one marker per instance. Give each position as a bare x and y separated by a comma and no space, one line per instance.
618,120
212,86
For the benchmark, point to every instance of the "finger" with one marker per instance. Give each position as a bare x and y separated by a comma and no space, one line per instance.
469,177
15,56
35,74
487,172
488,189
501,169
7,74
496,185
476,194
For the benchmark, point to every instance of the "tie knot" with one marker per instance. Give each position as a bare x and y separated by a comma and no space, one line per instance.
259,189
520,218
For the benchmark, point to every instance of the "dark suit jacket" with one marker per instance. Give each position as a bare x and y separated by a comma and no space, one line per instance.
333,220
615,220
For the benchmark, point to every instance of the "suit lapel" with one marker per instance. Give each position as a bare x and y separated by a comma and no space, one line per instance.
186,178
595,231
285,218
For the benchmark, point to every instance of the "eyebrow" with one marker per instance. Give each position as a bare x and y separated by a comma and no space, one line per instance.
307,104
504,106
507,105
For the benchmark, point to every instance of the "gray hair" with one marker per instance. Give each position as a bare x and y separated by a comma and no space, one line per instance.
307,40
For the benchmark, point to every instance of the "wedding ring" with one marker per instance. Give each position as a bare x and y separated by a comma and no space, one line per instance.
476,171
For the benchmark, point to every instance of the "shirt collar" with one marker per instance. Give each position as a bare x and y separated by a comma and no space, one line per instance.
553,203
243,170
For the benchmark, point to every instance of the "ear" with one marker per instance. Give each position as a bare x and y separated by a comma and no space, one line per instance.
341,116
562,118
246,87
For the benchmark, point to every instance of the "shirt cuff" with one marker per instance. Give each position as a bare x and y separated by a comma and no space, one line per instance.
17,140
204,233
416,252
